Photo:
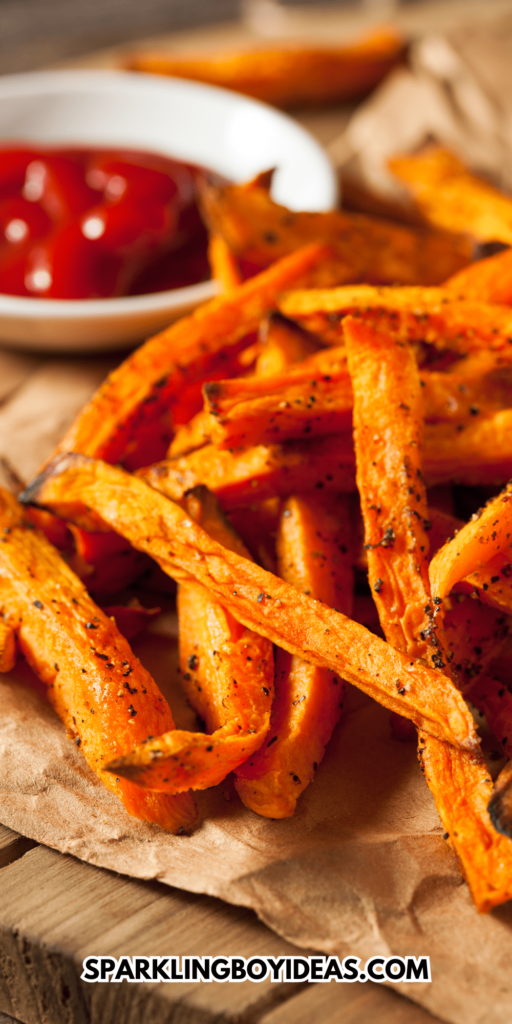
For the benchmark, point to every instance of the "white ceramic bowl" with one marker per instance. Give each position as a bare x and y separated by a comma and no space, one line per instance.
221,130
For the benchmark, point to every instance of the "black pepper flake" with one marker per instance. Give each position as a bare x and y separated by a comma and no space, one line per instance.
273,740
38,604
186,675
90,625
128,671
265,691
56,667
495,579
260,597
295,777
209,749
132,711
104,657
378,585
446,835
131,689
78,741
193,662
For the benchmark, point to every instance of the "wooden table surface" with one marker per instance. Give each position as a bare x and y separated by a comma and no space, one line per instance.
54,909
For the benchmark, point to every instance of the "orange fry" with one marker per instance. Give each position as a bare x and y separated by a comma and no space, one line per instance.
413,314
223,264
488,280
96,495
240,478
286,76
284,343
451,197
106,699
314,554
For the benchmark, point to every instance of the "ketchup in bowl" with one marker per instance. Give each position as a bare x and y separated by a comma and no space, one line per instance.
89,224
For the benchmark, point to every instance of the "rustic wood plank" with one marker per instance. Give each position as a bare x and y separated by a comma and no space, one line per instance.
13,846
55,910
357,1003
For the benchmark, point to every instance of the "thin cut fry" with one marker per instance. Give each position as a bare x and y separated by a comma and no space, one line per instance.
450,197
239,478
315,556
223,264
134,401
414,314
97,686
286,77
259,231
74,484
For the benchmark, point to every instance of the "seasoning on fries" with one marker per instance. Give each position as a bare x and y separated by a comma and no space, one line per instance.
271,448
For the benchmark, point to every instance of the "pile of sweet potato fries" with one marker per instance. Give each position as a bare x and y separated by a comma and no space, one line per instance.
288,453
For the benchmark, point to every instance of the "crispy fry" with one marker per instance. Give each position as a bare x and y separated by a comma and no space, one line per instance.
462,787
284,343
414,314
287,77
7,647
387,420
302,402
74,484
239,478
451,197
129,414
488,280
97,686
487,533
388,437
259,231
315,556
223,264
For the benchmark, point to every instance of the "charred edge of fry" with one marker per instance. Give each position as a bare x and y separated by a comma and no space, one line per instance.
500,810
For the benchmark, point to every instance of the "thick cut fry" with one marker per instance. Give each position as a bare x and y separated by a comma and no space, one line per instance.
94,494
462,787
488,280
133,403
97,686
7,647
223,264
239,478
451,197
314,554
413,314
488,532
388,435
284,343
259,231
286,77
386,399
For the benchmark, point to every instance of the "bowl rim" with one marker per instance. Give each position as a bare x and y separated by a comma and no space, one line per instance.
92,80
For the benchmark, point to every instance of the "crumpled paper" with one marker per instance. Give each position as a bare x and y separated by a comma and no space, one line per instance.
457,90
361,868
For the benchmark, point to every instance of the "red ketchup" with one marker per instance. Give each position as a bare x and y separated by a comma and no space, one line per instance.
90,224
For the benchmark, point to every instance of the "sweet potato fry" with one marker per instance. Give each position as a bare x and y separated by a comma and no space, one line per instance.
97,686
259,231
388,437
96,495
387,422
132,405
500,804
286,77
462,787
239,478
414,314
7,647
487,280
315,556
303,402
451,197
223,264
284,343
228,676
487,533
